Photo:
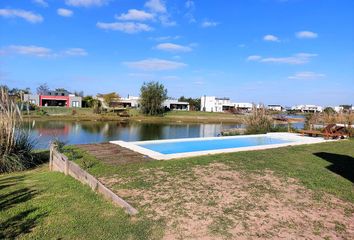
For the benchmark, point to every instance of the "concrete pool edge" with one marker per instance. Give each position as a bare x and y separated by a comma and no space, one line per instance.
295,139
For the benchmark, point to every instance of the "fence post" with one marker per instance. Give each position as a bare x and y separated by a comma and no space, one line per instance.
51,157
66,171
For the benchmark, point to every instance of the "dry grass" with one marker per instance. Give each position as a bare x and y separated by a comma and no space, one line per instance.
15,145
219,202
259,121
10,117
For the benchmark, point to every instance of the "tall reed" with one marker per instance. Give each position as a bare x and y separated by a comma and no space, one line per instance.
258,122
15,144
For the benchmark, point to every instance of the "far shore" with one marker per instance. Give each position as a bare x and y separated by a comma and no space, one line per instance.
84,114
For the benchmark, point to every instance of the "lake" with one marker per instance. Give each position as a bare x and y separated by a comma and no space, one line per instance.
73,132
94,132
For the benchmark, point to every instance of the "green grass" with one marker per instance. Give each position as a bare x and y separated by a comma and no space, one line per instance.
39,204
325,167
86,114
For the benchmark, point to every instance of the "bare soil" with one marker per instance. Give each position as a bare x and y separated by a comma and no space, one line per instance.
113,154
218,202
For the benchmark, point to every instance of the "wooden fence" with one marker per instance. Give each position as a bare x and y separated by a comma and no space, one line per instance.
59,162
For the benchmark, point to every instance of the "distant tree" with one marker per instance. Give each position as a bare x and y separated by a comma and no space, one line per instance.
97,106
88,101
4,87
42,89
110,97
79,93
61,90
194,103
329,110
18,93
152,96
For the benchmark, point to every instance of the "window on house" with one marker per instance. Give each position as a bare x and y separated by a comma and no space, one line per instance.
75,103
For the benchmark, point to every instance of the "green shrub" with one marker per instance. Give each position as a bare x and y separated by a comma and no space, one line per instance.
42,112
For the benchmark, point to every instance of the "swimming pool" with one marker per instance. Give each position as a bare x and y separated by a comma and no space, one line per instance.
209,144
177,148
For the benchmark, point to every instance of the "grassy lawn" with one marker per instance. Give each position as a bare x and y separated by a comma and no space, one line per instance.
39,204
86,114
296,192
293,192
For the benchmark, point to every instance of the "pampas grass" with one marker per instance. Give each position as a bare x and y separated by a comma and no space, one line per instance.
258,122
15,144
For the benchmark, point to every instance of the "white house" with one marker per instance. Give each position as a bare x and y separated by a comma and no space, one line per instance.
130,101
275,107
214,104
244,106
134,102
342,108
307,108
174,104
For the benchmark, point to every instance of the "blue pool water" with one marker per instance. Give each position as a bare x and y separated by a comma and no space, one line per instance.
213,144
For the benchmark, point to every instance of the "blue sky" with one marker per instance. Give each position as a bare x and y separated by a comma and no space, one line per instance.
271,51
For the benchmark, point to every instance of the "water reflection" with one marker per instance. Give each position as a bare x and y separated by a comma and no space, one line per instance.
93,132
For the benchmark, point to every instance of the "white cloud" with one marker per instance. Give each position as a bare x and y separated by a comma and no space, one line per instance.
64,12
165,38
41,3
37,51
155,64
254,58
135,15
190,6
86,3
75,52
207,23
30,50
307,76
271,38
26,15
306,34
171,47
127,27
157,6
299,58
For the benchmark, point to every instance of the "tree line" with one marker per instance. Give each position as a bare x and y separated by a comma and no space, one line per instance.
152,96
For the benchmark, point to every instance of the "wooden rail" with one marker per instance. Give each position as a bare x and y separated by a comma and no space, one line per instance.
59,162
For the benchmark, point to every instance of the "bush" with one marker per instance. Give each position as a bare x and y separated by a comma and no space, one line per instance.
258,122
15,144
42,112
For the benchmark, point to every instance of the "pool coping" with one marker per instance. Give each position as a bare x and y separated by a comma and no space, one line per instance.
296,138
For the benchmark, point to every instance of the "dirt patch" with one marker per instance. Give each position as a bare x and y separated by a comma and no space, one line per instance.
217,202
113,154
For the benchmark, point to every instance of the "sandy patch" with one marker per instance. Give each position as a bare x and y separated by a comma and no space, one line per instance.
217,202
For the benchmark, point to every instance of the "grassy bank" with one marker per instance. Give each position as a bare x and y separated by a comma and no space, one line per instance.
292,192
301,191
39,204
86,114
325,167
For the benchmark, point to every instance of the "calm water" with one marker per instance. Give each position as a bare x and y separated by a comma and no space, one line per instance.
93,132
214,144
